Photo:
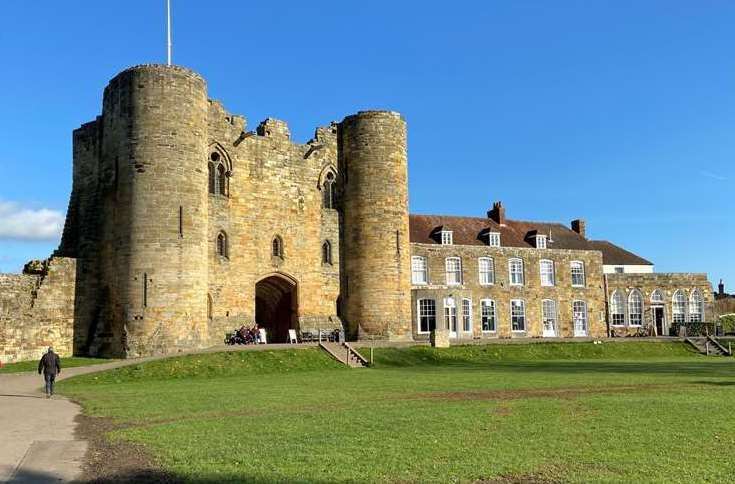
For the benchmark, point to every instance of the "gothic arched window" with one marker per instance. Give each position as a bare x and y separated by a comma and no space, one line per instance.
328,190
222,247
277,247
221,180
327,252
211,178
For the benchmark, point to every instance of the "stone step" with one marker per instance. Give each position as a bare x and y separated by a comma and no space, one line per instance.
345,354
708,346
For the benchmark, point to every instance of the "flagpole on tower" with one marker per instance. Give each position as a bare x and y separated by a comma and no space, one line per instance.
168,30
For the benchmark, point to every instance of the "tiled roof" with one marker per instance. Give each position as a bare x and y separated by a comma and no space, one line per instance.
614,255
472,230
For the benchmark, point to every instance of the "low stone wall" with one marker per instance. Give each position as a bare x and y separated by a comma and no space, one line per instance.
37,310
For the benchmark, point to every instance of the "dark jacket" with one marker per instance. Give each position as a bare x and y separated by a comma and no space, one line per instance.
50,364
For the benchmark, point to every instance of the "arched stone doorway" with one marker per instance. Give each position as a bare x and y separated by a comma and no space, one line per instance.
276,306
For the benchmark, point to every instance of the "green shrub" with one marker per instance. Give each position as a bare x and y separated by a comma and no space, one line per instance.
728,323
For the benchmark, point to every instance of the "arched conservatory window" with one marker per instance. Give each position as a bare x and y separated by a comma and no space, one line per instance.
679,307
617,309
635,308
696,307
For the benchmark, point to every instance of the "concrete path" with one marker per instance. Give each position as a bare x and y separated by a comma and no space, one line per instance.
37,441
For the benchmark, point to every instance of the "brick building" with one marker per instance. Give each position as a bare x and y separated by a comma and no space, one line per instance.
184,223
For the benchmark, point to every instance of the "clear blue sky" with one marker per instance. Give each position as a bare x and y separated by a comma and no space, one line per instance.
619,112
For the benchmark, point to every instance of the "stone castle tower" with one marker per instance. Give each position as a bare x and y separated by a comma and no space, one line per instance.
185,224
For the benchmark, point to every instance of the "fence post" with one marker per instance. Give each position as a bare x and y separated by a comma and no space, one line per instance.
706,346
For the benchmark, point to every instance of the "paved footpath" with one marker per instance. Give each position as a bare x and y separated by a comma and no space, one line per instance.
37,441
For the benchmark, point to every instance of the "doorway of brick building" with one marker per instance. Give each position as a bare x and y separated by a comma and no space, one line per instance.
276,306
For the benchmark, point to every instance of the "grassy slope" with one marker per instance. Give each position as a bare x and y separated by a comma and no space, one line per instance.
71,362
626,412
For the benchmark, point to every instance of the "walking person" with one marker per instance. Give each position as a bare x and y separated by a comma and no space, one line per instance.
50,365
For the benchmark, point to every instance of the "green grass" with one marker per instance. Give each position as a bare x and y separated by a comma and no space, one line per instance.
70,362
622,412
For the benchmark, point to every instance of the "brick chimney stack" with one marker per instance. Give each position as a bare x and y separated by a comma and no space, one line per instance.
497,213
580,227
721,288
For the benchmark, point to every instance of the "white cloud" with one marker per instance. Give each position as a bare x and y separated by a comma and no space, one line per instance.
22,223
714,176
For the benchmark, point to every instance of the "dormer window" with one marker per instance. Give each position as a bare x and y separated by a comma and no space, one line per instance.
446,237
493,239
540,241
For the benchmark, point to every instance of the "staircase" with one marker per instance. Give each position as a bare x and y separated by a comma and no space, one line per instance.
708,345
345,354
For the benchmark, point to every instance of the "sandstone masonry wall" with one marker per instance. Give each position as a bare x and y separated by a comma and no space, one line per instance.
37,311
668,284
532,292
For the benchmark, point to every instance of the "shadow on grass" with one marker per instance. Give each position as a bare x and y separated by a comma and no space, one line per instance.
152,476
717,383
709,368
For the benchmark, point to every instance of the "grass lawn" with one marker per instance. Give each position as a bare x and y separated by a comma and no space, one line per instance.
572,412
23,366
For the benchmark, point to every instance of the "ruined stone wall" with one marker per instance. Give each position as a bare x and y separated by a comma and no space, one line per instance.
532,292
37,311
668,284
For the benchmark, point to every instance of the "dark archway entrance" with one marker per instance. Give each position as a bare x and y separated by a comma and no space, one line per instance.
276,306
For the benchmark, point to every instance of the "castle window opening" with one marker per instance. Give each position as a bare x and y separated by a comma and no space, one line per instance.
328,189
210,305
277,247
222,247
145,289
327,253
181,221
221,180
212,178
